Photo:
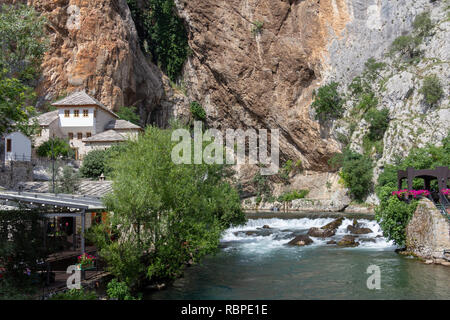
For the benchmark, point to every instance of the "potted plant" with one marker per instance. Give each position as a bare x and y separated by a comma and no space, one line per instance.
85,261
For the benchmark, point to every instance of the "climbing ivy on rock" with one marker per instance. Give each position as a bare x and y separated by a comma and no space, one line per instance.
162,34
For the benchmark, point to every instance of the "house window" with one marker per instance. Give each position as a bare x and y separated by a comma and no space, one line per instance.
88,135
79,136
70,135
8,145
66,113
85,113
76,113
39,133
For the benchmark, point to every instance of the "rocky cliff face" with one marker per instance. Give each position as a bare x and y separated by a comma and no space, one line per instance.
255,64
94,46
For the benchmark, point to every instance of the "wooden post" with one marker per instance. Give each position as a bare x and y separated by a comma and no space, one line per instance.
83,226
410,173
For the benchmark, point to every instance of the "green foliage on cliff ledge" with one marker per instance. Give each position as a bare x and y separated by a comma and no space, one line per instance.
162,34
197,111
431,90
129,114
327,103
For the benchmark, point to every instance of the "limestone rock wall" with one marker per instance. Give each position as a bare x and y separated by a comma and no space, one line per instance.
94,46
428,232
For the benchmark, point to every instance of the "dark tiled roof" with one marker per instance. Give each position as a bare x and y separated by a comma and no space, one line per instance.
121,125
47,118
87,187
106,136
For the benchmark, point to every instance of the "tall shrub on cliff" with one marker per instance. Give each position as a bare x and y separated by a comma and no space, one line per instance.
327,103
356,172
165,214
22,44
162,33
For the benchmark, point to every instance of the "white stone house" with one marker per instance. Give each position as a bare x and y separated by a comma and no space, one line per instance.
17,147
85,123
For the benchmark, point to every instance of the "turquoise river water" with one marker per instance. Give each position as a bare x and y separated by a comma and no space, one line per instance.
261,266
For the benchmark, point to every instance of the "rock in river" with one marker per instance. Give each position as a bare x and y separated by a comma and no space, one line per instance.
302,240
358,230
348,241
333,225
321,233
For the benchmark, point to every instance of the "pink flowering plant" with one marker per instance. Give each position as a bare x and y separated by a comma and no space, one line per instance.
86,260
445,191
414,193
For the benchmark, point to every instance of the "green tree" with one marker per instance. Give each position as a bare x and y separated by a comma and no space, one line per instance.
431,90
162,34
15,110
165,214
327,103
379,122
406,45
129,114
23,44
94,164
356,173
22,40
422,24
54,148
68,181
97,162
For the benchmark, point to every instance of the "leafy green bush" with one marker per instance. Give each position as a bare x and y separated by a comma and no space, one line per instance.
327,103
197,111
367,101
54,148
393,215
97,162
406,45
75,294
379,122
292,195
119,291
129,114
431,90
94,164
422,24
356,173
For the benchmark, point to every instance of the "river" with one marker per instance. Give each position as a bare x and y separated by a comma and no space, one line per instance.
260,265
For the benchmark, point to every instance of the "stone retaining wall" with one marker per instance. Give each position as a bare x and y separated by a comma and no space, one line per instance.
428,232
14,173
